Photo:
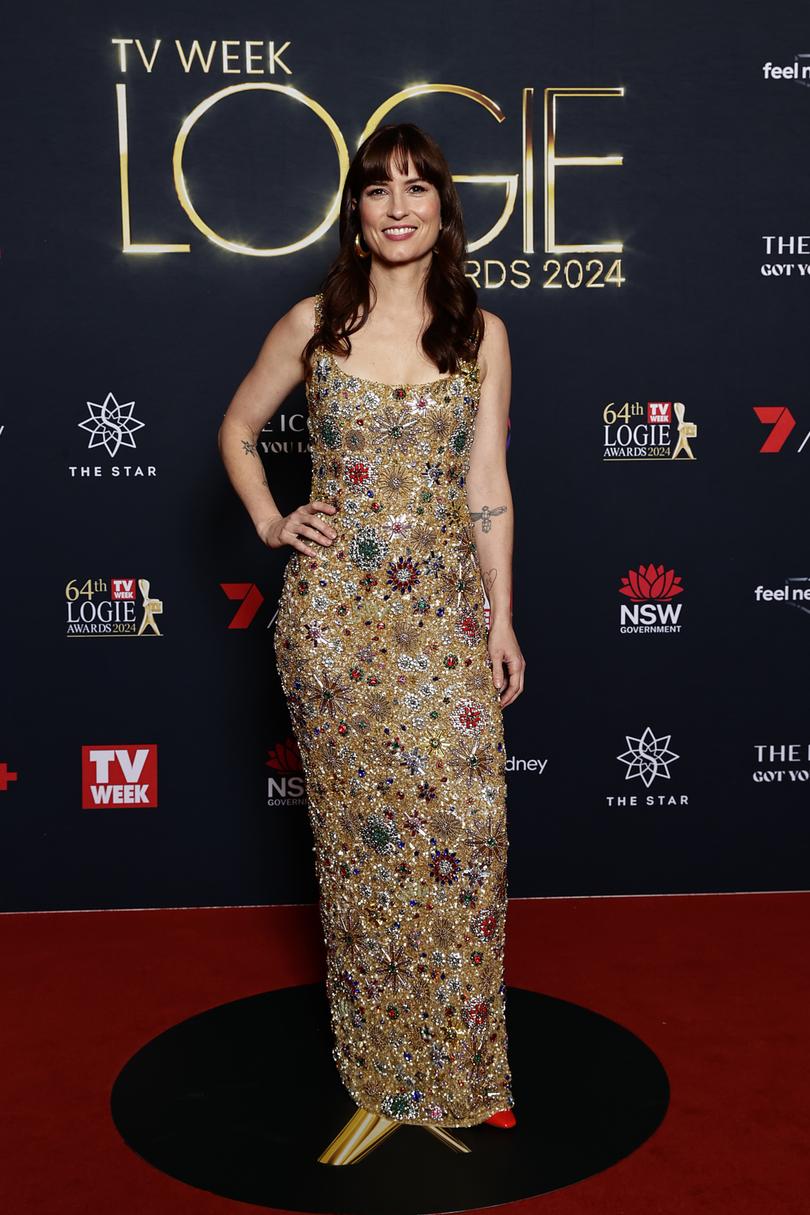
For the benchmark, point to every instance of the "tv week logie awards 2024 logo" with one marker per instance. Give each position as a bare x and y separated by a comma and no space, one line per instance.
119,775
110,607
657,431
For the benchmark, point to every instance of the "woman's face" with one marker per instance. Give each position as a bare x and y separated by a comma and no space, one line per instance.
400,217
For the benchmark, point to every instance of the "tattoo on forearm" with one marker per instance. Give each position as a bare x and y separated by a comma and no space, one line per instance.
489,579
485,514
250,449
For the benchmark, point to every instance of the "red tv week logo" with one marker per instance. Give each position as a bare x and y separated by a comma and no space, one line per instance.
119,776
659,412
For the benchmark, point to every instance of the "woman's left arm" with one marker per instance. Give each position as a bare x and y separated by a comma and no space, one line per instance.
490,502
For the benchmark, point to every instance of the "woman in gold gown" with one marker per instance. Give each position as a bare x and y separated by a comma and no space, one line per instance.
394,676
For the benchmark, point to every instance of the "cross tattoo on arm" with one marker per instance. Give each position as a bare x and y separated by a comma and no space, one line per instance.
248,448
485,514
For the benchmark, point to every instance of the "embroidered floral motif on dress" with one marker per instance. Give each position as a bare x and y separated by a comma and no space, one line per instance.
380,644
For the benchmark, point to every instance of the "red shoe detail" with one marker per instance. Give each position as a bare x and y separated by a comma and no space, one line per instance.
504,1118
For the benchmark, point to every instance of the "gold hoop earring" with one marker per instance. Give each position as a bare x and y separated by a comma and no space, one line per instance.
358,248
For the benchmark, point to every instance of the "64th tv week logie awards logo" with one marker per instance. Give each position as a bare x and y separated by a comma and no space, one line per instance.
109,607
655,431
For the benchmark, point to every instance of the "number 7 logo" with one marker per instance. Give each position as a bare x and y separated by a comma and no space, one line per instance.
782,421
251,597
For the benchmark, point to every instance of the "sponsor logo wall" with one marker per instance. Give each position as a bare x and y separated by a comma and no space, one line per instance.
648,250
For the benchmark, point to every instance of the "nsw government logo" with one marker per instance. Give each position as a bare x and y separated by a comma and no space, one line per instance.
112,607
285,784
112,427
650,590
116,775
656,430
648,758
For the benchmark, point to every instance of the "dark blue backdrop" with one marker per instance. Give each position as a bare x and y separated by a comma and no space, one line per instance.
713,151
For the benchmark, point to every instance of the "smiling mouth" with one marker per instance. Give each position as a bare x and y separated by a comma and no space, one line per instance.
399,231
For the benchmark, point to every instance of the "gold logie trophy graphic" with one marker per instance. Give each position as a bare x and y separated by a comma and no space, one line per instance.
686,431
151,608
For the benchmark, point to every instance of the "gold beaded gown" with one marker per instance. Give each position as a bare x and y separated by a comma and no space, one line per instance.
380,645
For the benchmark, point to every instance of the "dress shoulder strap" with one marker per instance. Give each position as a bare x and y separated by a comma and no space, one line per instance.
318,310
470,370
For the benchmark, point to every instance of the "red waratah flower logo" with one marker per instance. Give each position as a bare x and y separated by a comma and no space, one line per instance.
285,757
651,582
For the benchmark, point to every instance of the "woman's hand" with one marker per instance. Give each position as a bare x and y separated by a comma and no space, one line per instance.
302,523
504,651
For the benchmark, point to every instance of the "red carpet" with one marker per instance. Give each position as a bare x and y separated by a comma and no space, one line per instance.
718,986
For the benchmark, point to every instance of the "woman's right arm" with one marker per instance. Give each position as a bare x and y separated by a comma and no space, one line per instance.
276,372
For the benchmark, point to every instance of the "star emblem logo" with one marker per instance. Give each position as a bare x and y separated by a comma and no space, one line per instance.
648,757
111,425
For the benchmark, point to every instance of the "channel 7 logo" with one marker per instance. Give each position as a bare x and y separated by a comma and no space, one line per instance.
782,423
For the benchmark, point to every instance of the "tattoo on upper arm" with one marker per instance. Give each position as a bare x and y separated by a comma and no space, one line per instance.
248,448
485,514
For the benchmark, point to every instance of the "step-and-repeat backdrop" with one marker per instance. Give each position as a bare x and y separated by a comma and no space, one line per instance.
637,199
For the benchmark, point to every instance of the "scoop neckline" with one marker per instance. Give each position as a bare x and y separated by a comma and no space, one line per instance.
349,375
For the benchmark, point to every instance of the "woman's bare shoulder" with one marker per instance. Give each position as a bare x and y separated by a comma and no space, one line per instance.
298,322
283,346
494,326
294,328
493,353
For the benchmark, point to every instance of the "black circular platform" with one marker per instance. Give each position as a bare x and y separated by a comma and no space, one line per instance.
241,1099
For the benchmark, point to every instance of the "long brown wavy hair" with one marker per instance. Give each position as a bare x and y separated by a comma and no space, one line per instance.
457,325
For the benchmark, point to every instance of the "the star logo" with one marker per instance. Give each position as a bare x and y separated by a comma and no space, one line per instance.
648,756
111,425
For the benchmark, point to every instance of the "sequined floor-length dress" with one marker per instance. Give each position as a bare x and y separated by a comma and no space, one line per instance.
380,645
